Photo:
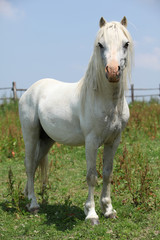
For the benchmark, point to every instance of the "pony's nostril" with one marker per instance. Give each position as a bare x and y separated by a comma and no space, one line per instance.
118,72
107,69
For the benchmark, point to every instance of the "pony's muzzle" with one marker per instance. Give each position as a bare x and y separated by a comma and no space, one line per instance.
112,71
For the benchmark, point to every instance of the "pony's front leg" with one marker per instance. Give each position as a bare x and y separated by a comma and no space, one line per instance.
89,208
105,201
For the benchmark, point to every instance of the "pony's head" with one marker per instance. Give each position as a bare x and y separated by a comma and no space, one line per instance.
113,50
110,63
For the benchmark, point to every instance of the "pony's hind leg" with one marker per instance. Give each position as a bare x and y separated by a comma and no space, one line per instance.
37,146
30,165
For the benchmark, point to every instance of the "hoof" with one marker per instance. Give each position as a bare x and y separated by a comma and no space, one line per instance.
112,215
32,210
94,221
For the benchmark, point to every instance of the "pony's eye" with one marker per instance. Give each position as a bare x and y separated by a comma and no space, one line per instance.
126,45
100,45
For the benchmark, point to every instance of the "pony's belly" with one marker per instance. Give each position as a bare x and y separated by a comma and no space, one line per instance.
64,132
68,139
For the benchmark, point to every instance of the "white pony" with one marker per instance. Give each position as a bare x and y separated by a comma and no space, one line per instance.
91,112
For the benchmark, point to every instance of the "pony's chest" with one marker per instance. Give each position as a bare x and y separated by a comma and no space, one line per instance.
113,127
110,126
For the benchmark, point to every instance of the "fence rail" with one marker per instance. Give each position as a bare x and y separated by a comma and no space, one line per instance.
14,91
132,90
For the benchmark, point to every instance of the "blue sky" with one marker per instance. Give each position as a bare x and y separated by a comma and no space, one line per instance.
48,38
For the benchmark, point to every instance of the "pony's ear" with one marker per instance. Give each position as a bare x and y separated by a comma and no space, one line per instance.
124,21
102,22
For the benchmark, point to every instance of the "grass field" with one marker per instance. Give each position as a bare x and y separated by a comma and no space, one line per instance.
135,185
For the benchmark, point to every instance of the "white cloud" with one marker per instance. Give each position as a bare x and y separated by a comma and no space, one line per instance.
9,11
149,61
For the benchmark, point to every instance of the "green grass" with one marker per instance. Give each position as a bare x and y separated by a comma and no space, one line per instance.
135,185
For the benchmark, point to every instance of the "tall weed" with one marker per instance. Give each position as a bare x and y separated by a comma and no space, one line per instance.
16,201
135,174
11,135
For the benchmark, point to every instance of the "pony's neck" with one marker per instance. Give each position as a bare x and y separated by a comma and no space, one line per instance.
113,95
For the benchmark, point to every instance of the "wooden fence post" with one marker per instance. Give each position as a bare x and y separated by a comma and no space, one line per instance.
132,92
14,90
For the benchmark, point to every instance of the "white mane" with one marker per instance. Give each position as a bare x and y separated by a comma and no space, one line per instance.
94,81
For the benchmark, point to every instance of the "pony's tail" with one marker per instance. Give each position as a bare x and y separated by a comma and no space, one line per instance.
44,169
